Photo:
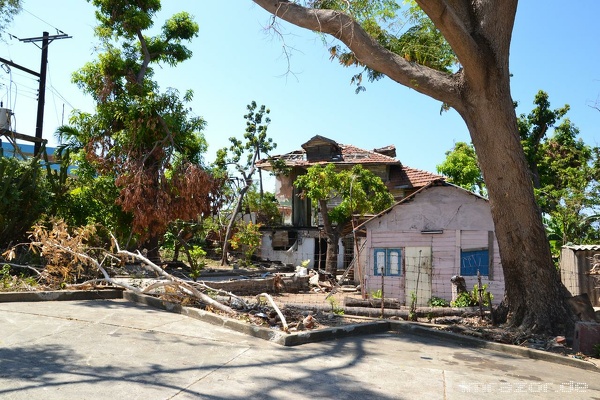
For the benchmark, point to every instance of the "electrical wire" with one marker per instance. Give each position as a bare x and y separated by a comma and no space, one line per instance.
46,22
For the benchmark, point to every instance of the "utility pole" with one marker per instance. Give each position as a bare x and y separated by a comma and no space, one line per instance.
46,39
39,125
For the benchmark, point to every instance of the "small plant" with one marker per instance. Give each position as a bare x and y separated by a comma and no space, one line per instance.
197,262
14,283
376,294
196,269
335,308
471,299
412,313
464,300
597,350
248,239
437,302
6,278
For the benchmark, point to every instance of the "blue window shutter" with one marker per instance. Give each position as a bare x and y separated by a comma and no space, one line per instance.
394,262
473,260
379,262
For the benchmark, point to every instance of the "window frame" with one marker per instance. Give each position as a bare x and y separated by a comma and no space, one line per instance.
388,255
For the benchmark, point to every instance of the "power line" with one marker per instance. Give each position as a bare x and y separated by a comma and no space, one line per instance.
46,22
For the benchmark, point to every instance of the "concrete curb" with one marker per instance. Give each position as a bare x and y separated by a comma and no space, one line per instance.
61,295
430,331
379,326
279,337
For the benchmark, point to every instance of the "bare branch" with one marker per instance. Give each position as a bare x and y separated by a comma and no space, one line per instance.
283,321
173,281
21,266
147,58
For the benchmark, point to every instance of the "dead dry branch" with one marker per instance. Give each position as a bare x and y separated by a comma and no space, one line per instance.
277,310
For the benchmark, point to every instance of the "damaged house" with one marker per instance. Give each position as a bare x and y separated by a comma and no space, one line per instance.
418,245
299,237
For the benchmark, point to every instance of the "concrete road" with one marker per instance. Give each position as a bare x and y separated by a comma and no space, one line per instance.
115,349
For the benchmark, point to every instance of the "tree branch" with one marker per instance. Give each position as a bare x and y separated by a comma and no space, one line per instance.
286,329
469,39
21,266
428,81
147,58
173,281
458,36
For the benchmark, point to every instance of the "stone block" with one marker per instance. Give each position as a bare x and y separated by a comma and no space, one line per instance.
587,336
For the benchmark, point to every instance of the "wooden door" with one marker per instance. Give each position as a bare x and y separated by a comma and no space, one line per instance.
417,278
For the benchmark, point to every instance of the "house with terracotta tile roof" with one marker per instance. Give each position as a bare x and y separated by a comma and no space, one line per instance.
299,238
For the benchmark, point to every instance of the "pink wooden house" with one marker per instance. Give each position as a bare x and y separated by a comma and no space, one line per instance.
415,247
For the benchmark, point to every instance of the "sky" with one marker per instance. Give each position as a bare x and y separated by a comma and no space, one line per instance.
555,48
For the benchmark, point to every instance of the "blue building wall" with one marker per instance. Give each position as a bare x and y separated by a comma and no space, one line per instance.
8,150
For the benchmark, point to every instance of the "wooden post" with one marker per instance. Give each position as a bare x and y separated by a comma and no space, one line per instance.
382,289
480,294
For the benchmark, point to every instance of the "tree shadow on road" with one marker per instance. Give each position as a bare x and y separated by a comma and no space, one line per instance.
299,373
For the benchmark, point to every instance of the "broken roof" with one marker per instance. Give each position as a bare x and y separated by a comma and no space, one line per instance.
322,150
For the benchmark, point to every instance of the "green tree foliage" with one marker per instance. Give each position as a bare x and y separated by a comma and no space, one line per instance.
242,156
23,198
565,173
265,206
418,41
142,137
462,169
8,9
533,129
357,192
88,197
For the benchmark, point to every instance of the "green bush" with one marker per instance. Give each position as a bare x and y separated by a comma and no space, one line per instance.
437,302
471,299
247,239
24,197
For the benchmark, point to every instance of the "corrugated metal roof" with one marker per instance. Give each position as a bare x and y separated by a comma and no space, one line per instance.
583,247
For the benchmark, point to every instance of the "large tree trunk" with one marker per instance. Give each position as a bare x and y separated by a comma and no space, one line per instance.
534,292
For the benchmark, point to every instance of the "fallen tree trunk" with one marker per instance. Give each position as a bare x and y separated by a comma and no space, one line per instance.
375,303
252,287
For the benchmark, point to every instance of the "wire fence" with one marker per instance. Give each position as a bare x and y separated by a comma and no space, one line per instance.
432,286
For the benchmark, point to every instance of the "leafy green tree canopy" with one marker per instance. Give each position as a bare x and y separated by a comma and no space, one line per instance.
355,191
358,189
145,138
462,169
